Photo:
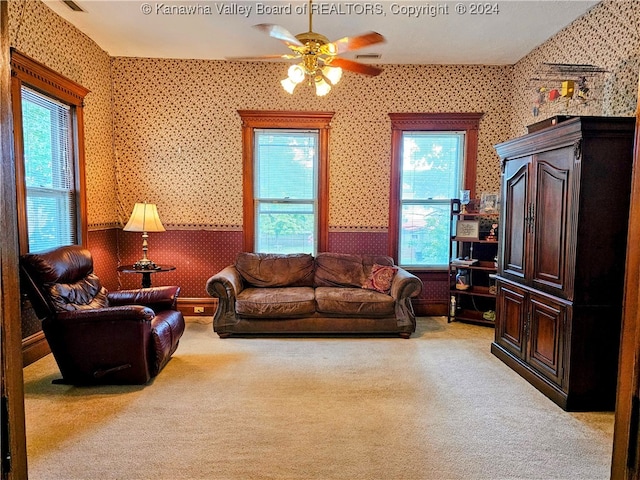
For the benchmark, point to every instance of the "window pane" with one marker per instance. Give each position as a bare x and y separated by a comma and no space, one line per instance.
431,164
424,234
49,178
286,228
286,164
285,190
43,211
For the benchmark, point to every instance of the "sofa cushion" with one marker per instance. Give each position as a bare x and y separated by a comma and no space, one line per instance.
346,270
276,270
357,302
275,302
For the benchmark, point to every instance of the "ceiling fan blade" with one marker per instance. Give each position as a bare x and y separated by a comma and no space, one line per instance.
280,33
355,66
348,44
287,56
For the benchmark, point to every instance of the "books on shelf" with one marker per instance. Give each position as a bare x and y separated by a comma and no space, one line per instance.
464,261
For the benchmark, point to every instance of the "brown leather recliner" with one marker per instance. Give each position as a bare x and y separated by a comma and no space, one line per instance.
96,336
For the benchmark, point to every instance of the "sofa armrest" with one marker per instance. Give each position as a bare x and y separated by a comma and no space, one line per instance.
156,298
227,283
225,286
405,285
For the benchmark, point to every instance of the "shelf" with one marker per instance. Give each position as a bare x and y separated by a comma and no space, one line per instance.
478,291
475,214
472,316
466,240
480,265
473,302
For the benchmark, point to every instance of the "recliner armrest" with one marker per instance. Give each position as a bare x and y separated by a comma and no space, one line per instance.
124,313
156,298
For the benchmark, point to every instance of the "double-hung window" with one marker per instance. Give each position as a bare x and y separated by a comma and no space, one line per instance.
48,139
286,190
49,174
285,181
431,174
433,158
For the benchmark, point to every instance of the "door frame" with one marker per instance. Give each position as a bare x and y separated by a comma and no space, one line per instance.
14,453
625,460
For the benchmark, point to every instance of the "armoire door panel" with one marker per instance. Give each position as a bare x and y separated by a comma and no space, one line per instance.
515,217
544,351
510,327
550,220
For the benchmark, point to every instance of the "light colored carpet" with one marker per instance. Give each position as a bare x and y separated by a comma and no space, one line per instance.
437,406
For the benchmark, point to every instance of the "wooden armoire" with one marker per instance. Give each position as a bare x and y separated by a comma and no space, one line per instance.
564,220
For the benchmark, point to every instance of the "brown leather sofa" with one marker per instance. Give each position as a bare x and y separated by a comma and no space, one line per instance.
96,336
297,294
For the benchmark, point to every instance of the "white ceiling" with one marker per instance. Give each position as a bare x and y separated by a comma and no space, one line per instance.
503,37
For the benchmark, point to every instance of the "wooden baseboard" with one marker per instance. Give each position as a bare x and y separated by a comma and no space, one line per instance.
197,306
425,308
34,347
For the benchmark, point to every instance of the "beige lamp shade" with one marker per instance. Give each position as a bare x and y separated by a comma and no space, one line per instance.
144,218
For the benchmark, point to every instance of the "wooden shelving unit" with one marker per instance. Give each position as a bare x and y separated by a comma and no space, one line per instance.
477,301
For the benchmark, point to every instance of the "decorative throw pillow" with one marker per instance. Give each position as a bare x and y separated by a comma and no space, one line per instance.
380,278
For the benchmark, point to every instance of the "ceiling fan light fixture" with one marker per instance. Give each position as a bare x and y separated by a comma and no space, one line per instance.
296,73
333,74
288,85
322,87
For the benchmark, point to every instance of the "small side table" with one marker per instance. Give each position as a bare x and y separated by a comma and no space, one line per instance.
146,273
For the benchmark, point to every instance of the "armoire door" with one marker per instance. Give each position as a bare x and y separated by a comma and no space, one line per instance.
550,216
515,218
510,326
546,325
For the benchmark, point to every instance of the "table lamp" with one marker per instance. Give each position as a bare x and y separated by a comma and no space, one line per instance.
144,218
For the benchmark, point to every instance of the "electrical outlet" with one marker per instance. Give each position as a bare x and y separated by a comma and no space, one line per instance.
198,309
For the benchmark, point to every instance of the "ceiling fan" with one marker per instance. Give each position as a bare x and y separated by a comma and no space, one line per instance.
319,58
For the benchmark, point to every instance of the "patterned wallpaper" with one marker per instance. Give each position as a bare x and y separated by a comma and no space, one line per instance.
178,133
608,36
41,34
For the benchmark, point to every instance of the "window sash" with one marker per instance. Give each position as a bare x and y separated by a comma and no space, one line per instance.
51,198
286,223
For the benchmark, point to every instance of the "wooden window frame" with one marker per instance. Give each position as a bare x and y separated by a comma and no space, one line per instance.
252,119
27,71
426,122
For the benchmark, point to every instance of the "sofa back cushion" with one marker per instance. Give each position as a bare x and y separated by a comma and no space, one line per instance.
276,270
346,270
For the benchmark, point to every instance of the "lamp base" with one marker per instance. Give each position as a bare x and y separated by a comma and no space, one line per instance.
145,264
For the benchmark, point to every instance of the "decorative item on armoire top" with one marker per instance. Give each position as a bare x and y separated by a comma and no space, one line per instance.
561,87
